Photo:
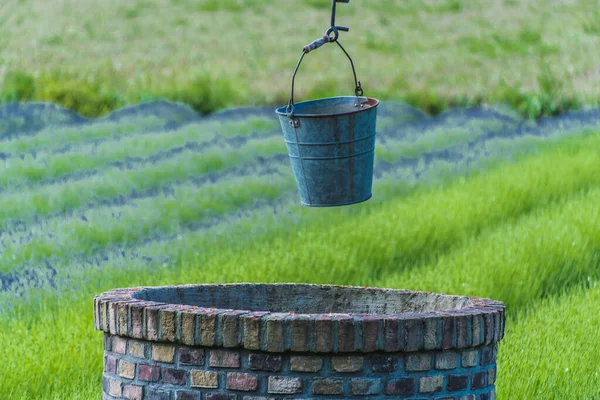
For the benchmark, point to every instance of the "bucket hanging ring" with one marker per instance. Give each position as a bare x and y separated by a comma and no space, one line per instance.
358,90
336,34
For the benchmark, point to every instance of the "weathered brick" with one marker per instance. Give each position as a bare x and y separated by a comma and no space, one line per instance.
502,332
487,356
137,314
306,363
151,316
446,359
187,395
347,363
431,384
463,332
96,313
133,392
365,387
370,333
105,384
274,324
208,323
163,353
188,328
414,334
107,342
149,373
191,356
231,328
126,369
115,388
252,328
119,344
204,379
497,327
299,331
137,349
432,333
419,362
401,387
492,376
382,363
390,334
449,330
477,330
105,307
112,318
479,380
110,365
242,381
470,358
259,398
327,386
323,334
284,385
345,325
488,319
174,376
224,359
220,396
168,319
101,308
123,318
158,394
264,362
457,383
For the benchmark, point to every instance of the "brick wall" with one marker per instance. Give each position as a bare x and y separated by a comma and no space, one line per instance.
139,369
163,351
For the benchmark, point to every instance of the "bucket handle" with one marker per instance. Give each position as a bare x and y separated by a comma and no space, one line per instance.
313,46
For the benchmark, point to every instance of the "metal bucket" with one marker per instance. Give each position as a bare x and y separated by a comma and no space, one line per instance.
331,145
331,142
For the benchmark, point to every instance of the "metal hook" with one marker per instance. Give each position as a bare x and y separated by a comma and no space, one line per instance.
334,28
333,9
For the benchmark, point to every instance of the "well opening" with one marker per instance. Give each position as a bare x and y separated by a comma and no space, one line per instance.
304,299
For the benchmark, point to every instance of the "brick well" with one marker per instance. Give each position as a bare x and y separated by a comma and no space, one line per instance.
199,342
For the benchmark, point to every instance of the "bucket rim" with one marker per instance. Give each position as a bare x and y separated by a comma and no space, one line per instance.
282,111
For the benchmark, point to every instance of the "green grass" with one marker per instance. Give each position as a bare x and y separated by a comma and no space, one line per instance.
526,233
161,214
120,145
569,369
215,53
110,183
435,139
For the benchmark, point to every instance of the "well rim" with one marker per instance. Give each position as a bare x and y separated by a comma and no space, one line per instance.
119,312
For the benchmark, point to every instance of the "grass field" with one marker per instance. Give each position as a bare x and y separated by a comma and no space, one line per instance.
127,202
538,56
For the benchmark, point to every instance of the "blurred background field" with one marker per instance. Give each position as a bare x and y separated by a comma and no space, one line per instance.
538,56
473,202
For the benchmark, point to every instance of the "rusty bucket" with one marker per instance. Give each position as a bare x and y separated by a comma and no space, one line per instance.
331,142
331,145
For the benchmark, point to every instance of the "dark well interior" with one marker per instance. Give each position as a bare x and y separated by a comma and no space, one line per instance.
304,299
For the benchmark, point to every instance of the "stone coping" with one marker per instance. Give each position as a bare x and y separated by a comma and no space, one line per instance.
432,322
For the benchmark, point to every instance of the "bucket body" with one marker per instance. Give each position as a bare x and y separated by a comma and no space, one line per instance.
331,145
